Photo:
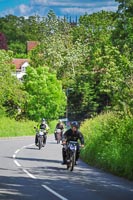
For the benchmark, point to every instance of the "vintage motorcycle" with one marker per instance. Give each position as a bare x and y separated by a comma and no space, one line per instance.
71,154
41,137
58,135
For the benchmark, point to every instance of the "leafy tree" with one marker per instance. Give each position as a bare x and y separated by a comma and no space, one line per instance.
18,48
12,95
126,7
122,36
87,58
60,53
112,74
46,98
25,30
96,27
32,28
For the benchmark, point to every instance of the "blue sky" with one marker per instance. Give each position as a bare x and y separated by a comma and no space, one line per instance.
60,7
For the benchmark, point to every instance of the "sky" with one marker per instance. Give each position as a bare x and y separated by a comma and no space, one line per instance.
61,8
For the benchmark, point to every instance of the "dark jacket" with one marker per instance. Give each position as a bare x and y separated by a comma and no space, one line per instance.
42,126
77,135
60,126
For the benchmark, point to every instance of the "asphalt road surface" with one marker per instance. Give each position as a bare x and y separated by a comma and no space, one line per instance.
27,173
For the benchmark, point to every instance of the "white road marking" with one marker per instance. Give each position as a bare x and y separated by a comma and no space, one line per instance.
17,163
32,176
14,156
17,151
53,192
29,174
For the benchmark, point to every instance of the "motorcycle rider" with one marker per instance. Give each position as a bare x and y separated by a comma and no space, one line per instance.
42,126
59,125
72,134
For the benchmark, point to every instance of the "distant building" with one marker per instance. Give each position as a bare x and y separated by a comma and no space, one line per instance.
31,45
21,65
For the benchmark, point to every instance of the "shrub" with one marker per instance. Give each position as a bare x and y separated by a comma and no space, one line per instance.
109,143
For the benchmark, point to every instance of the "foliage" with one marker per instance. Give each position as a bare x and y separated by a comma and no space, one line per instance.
112,74
109,143
46,99
16,128
97,63
92,62
33,28
122,36
12,96
125,6
52,125
26,127
17,48
95,27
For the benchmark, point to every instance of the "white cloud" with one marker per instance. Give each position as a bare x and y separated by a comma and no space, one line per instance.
73,3
24,9
60,7
89,8
39,2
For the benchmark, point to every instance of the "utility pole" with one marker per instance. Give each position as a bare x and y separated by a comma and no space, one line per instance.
67,107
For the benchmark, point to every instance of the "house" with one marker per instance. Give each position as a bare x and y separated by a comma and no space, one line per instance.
21,65
31,45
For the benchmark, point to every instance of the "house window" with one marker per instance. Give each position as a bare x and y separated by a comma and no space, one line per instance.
23,69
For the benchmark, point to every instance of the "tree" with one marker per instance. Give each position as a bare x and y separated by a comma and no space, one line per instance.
12,95
126,7
112,79
89,59
46,98
3,42
122,36
96,27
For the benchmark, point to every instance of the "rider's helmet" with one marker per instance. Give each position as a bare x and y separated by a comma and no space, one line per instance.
43,120
60,121
75,124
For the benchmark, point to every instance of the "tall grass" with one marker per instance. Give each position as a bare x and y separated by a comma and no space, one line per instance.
109,143
11,127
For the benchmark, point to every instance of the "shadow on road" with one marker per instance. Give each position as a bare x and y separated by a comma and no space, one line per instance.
57,177
20,188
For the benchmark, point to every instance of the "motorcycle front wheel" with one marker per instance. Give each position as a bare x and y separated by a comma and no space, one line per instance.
58,138
71,162
40,143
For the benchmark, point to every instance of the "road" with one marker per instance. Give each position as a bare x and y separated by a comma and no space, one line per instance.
27,173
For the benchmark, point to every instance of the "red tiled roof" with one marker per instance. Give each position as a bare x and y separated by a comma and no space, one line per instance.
18,62
31,45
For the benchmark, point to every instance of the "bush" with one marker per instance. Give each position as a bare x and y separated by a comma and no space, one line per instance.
109,143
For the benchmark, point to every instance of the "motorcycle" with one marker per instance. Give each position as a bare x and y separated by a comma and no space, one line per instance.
40,136
58,135
71,154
